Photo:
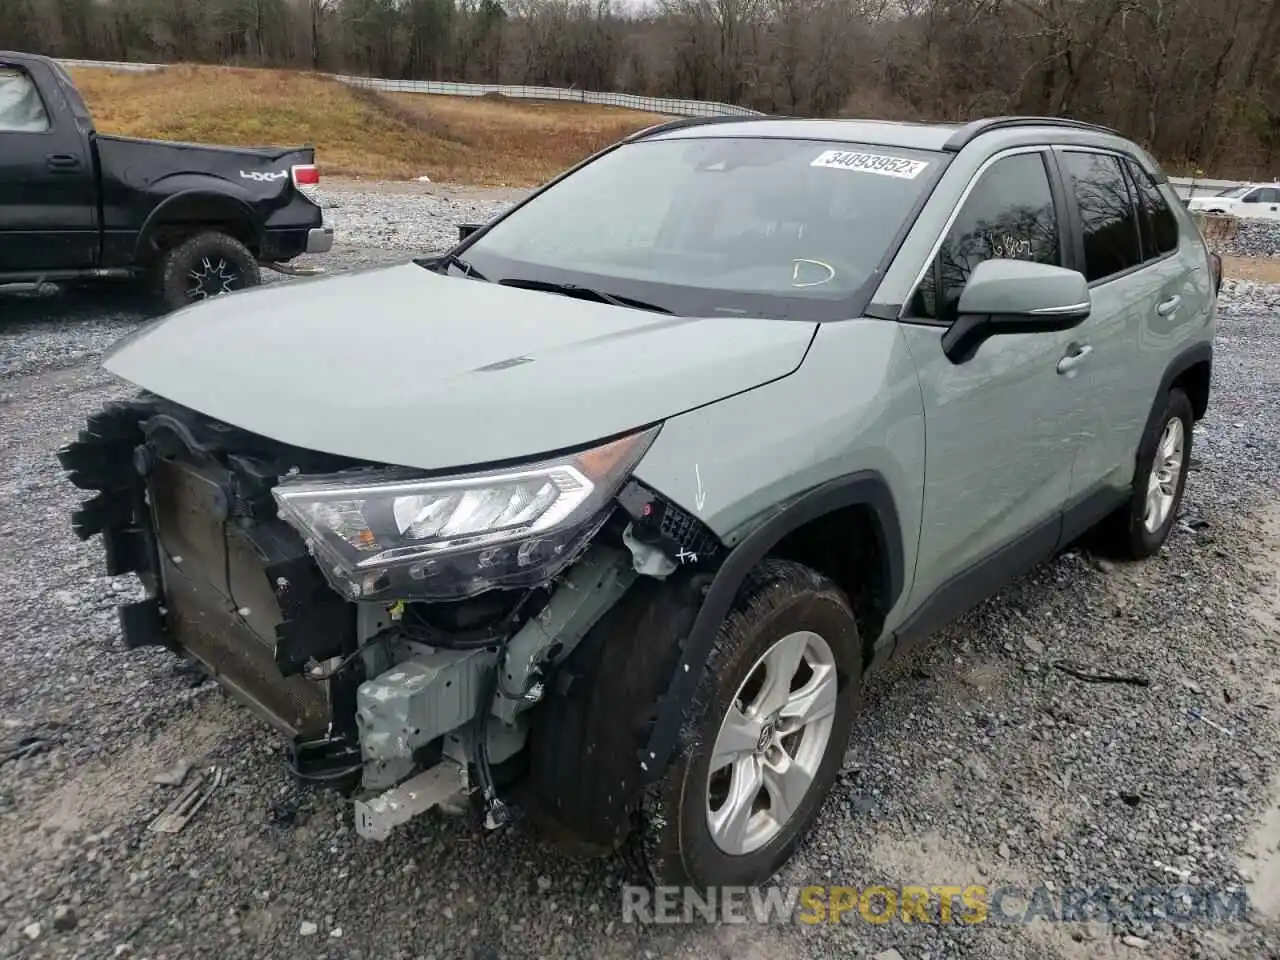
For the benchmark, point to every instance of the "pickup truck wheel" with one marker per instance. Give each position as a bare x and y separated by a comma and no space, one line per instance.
1139,529
764,737
204,266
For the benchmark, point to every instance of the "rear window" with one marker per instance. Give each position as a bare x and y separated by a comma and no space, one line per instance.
794,229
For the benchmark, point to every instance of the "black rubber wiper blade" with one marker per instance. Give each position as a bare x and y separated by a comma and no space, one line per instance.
585,293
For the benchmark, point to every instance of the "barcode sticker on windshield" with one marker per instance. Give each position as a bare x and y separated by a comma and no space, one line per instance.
899,167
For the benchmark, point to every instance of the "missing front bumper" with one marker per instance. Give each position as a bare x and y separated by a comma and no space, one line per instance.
226,584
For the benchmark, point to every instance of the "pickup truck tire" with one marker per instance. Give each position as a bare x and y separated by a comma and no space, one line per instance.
1139,528
775,705
205,265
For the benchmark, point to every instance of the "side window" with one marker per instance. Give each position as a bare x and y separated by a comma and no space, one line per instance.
1008,215
1269,195
1159,225
1107,213
1254,196
21,109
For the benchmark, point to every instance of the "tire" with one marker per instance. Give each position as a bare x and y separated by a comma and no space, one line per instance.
780,610
1129,533
203,266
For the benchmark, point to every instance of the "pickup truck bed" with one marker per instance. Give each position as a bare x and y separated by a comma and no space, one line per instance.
196,219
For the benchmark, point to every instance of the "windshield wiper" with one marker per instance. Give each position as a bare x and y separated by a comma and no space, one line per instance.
585,293
452,260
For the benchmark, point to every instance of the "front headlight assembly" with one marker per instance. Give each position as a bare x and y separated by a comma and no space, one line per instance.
384,533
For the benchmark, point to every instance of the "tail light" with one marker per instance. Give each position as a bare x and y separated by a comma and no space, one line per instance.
1215,267
306,178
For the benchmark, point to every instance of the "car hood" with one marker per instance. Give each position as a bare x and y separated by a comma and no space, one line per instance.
404,366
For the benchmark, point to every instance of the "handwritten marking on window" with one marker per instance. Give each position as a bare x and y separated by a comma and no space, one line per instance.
1008,247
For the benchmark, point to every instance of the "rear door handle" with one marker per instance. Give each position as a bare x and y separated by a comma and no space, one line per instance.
63,161
1078,351
1170,306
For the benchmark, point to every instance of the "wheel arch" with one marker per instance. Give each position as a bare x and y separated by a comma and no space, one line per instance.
1191,371
193,209
861,503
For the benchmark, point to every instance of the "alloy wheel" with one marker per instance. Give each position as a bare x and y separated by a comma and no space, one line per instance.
771,743
212,278
1166,467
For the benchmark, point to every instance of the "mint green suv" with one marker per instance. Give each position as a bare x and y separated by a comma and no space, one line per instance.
605,513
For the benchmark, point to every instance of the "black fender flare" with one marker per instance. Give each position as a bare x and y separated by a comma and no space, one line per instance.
1182,362
203,188
867,488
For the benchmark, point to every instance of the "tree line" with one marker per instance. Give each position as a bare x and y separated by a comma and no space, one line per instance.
1196,81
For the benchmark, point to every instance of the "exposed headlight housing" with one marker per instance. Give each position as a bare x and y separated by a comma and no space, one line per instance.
393,534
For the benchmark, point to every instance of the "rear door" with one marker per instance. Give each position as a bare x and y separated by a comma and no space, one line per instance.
48,196
1141,279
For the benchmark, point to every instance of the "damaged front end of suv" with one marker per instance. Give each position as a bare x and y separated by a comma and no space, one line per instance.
397,625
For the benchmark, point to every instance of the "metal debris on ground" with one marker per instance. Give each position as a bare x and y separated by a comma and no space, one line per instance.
1195,714
1092,677
179,813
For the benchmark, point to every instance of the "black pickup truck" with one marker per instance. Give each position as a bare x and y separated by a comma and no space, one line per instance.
195,221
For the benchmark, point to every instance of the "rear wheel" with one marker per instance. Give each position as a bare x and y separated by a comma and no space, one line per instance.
765,735
1139,528
204,266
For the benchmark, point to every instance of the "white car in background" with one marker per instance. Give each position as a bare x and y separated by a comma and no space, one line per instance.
1252,201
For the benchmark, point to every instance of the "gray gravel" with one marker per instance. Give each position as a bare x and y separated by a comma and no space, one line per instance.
1254,238
976,762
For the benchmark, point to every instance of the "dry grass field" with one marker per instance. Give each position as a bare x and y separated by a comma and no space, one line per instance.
1263,269
486,141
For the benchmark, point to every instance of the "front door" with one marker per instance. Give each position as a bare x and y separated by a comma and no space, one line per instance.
1001,429
48,196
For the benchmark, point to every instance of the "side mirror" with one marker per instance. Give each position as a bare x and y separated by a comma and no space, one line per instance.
1015,296
467,229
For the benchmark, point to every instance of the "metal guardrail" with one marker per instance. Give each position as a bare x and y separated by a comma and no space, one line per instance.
668,106
1188,187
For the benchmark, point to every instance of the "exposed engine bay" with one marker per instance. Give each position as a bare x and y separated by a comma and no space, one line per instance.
399,627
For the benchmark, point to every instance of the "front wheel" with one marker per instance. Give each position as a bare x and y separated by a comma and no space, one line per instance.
204,266
764,738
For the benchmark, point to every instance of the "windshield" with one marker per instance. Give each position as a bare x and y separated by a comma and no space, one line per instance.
794,229
1234,192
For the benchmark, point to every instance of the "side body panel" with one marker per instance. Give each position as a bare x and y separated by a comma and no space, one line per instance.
145,182
853,406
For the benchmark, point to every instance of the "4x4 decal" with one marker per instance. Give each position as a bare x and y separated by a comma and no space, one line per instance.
263,177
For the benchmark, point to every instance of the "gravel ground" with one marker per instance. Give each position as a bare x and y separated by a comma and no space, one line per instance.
1255,238
975,762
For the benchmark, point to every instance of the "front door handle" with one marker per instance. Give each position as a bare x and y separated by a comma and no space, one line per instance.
63,161
1169,307
1075,356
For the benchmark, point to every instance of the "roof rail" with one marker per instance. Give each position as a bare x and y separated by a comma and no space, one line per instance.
683,122
971,131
